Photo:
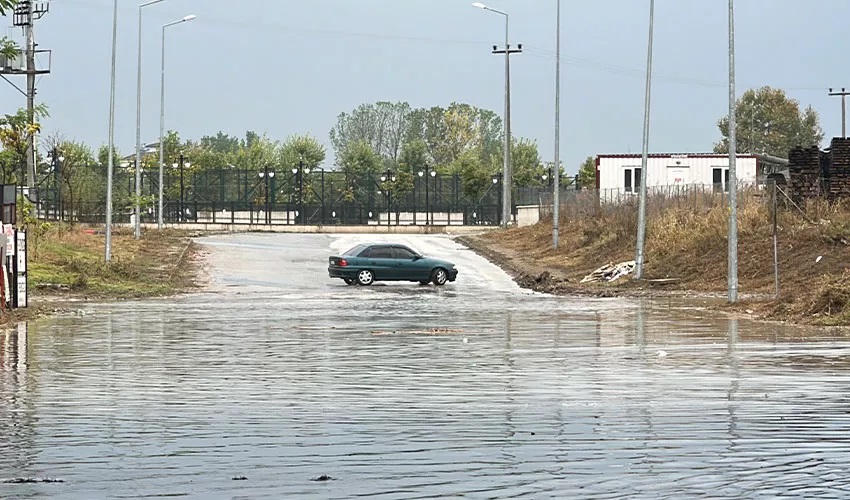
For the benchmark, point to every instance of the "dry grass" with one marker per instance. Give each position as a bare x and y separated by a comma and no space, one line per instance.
71,260
687,241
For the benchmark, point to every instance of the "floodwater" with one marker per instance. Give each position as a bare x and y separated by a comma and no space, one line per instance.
278,377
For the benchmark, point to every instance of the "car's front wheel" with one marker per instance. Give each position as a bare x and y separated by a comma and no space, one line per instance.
439,276
365,277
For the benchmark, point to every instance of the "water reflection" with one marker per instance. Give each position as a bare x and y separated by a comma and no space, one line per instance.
524,397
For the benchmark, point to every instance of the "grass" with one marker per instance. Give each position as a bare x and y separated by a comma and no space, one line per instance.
70,260
687,248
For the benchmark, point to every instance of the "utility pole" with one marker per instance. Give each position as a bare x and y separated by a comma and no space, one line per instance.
843,95
507,173
507,183
25,14
556,194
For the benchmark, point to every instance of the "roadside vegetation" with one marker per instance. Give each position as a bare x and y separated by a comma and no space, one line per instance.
66,261
686,253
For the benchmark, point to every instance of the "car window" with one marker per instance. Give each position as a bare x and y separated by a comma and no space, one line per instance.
403,253
381,253
354,251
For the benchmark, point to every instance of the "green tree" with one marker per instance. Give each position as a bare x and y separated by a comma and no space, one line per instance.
525,163
587,173
15,131
6,6
770,122
304,148
384,126
8,48
81,183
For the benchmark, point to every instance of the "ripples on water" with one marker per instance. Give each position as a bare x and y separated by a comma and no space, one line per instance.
558,398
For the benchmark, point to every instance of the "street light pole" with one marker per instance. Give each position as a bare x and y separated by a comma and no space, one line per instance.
556,194
506,168
162,116
137,229
110,154
733,152
641,230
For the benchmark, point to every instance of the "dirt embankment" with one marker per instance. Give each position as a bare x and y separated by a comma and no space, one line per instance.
687,253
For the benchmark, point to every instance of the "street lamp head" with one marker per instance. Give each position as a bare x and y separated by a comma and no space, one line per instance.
187,164
189,17
271,174
495,180
261,174
421,173
479,5
307,170
294,170
61,158
433,173
383,178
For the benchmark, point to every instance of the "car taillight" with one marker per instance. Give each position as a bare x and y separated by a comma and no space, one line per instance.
342,263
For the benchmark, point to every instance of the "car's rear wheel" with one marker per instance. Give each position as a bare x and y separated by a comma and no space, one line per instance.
365,277
350,281
439,276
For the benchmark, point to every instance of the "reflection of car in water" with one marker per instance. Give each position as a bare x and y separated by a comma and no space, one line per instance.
366,264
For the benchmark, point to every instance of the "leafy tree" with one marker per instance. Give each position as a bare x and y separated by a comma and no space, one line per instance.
220,143
770,122
525,163
76,173
6,6
360,161
15,131
587,173
383,125
302,148
8,48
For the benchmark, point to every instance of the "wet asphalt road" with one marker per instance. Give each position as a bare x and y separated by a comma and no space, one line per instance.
280,376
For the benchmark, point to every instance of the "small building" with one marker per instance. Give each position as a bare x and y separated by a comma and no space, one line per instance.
620,174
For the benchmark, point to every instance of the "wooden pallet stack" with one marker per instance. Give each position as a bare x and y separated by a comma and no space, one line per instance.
805,171
838,180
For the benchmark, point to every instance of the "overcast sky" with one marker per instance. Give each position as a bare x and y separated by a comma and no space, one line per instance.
282,67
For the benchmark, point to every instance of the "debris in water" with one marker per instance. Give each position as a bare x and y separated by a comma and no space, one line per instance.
240,478
29,480
610,272
429,331
323,477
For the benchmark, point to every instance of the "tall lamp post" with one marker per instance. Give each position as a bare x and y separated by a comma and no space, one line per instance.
497,179
641,229
556,194
388,176
56,160
300,170
506,186
732,277
181,162
137,229
267,175
162,115
111,148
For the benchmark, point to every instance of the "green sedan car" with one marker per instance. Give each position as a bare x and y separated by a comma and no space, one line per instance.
368,263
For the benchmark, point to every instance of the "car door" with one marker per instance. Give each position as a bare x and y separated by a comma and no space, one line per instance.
380,260
408,266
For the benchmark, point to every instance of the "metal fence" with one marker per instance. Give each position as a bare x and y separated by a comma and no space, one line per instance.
238,196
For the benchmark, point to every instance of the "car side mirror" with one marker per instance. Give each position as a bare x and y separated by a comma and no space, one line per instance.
417,257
